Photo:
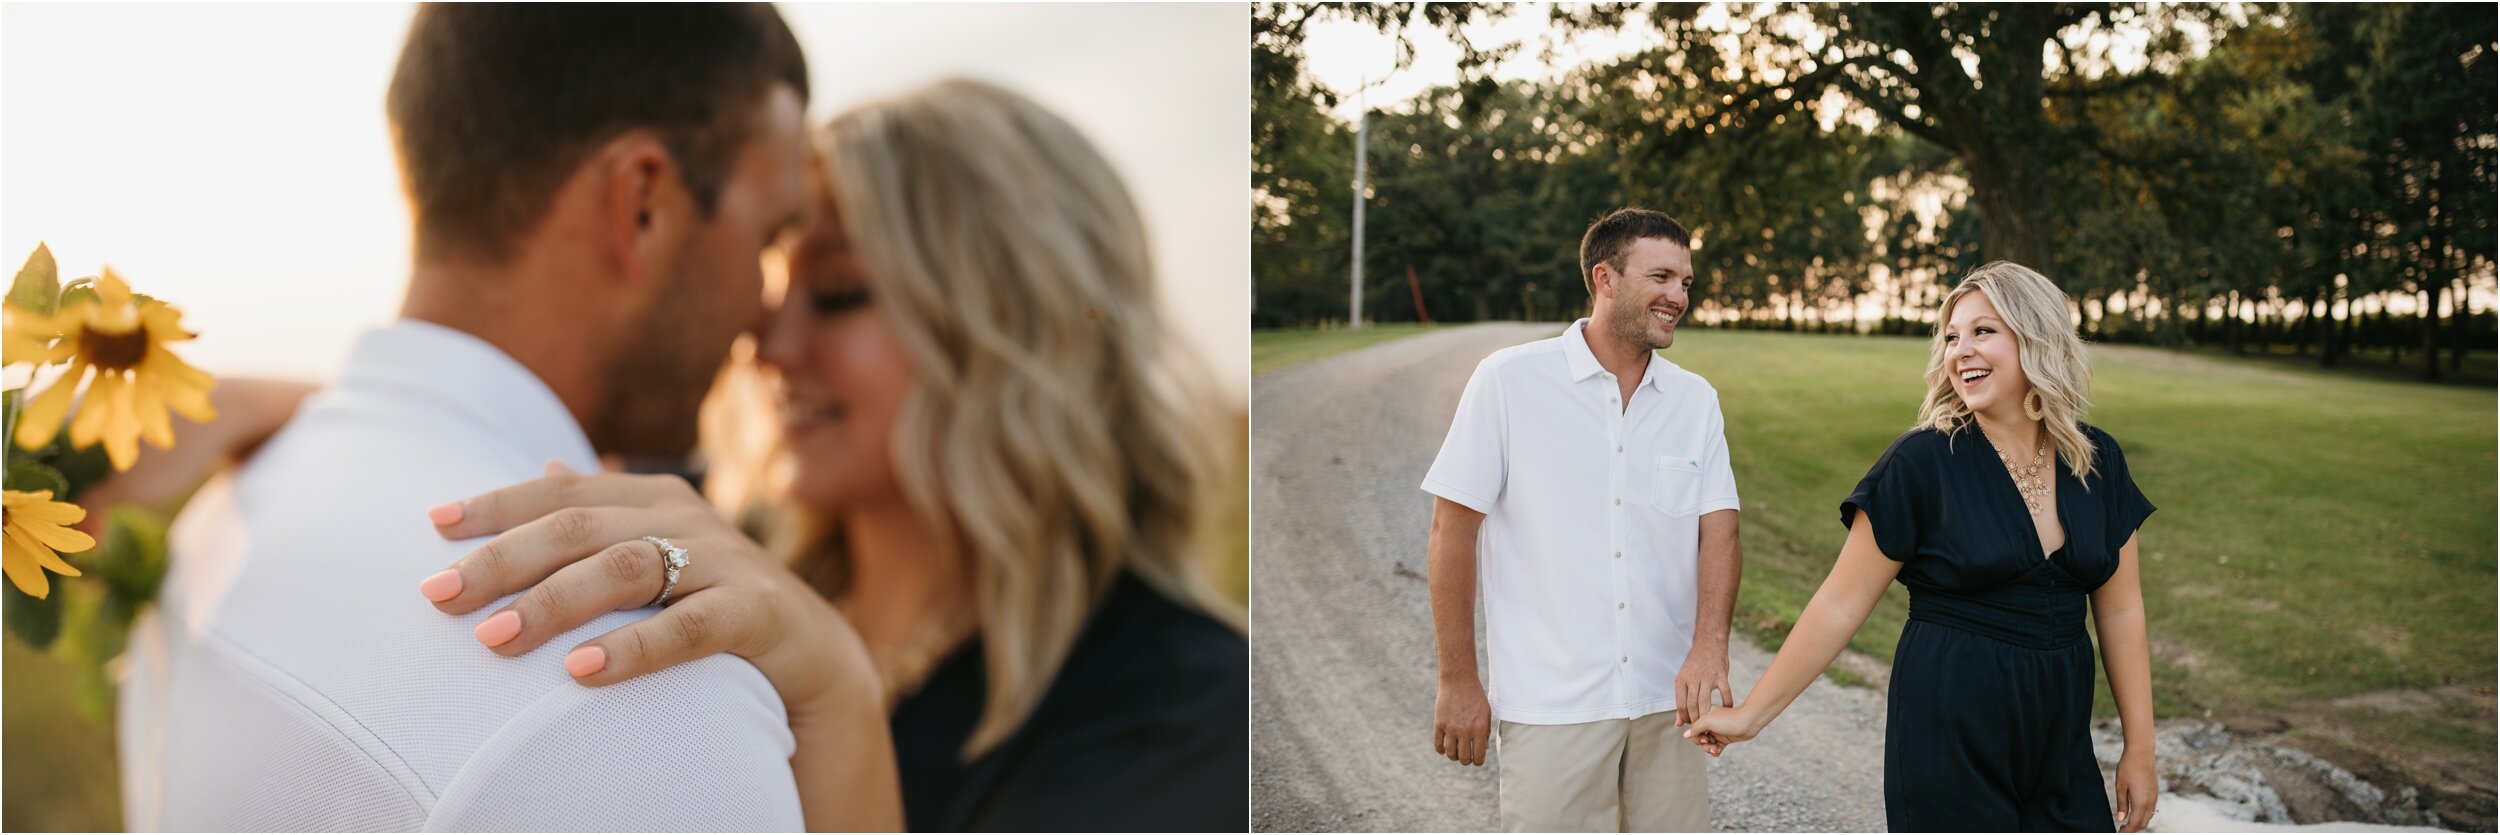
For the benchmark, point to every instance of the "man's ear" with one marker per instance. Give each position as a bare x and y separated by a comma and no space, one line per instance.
1601,282
639,216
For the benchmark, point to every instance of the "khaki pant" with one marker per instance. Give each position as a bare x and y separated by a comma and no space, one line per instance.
1618,775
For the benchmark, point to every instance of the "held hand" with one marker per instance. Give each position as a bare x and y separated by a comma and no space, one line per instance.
1722,728
1462,722
2139,790
576,543
1701,684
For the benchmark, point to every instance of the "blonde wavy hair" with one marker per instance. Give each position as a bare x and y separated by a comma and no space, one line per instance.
1049,439
2052,357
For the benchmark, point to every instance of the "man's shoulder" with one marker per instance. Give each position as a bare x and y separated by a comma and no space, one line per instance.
1542,356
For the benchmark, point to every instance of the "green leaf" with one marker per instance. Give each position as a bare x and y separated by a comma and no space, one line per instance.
81,289
27,475
98,626
11,402
37,622
82,468
131,559
37,287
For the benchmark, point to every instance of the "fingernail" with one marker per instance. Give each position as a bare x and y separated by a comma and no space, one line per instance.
444,585
447,513
499,629
585,661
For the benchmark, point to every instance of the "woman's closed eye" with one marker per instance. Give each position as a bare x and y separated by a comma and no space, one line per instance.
827,302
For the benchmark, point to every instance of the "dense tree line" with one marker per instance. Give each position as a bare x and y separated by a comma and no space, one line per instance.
2242,175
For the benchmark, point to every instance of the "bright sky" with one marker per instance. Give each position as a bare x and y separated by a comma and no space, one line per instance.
1348,56
234,160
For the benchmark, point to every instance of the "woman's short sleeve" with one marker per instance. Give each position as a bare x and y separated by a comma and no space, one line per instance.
1890,494
2128,508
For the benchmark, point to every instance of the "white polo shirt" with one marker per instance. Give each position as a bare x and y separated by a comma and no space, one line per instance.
1588,556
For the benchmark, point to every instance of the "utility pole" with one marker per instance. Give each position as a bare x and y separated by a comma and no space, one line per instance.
1362,138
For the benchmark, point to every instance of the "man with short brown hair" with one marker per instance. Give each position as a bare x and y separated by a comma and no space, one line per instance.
1588,479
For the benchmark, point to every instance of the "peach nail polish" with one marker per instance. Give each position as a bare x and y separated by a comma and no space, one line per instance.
585,661
499,629
447,513
444,585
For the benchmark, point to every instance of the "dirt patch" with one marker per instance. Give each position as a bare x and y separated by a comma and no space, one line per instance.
2435,745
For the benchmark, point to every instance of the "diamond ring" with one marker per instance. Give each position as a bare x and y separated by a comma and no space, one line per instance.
672,560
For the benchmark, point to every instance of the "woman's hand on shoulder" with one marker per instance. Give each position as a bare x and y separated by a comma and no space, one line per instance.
576,543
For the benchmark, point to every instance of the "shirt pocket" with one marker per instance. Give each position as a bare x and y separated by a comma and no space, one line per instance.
1675,485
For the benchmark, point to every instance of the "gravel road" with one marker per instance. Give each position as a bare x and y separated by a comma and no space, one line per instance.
1343,660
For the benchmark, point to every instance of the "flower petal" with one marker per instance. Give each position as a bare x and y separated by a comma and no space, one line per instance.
148,396
42,418
121,425
17,558
88,425
57,538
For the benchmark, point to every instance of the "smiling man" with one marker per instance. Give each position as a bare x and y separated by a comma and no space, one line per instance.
1594,475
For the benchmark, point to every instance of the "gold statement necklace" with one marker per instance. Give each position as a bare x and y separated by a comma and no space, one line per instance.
2029,479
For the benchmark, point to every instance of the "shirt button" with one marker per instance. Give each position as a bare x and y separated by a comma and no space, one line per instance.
1627,659
1618,501
1618,447
1618,605
1618,555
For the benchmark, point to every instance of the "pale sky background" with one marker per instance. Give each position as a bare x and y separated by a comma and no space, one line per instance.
234,160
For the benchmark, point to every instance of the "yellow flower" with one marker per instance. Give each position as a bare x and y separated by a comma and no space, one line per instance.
37,528
123,340
25,336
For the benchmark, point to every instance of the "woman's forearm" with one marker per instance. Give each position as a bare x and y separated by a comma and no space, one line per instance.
2126,655
2126,652
1825,627
1839,607
845,766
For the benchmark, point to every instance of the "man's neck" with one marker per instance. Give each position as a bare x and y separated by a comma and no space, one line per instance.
1627,361
509,311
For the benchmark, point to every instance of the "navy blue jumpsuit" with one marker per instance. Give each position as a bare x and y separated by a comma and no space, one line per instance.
1990,710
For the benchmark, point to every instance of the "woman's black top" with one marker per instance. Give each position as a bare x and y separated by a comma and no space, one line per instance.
1146,728
1989,717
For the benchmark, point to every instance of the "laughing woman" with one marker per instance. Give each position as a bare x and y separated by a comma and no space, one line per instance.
2007,517
1001,486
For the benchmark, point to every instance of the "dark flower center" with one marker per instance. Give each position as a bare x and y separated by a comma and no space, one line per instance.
114,351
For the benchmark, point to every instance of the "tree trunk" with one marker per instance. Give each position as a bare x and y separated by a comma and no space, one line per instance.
2331,329
2231,311
2430,330
2460,328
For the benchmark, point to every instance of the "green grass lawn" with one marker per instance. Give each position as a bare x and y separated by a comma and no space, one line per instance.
1273,349
2320,535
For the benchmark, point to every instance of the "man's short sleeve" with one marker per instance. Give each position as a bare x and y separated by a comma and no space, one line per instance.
1475,456
1718,474
700,747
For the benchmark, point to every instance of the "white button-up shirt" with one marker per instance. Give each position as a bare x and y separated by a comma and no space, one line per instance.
292,678
1588,556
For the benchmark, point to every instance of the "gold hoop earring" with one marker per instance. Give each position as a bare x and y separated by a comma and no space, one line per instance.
2035,412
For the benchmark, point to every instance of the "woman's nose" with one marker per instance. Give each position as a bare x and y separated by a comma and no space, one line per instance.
777,336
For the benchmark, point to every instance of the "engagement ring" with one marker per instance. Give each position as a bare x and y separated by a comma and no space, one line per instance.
672,560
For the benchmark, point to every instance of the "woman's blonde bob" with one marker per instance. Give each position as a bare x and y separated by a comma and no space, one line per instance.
2052,357
1048,440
